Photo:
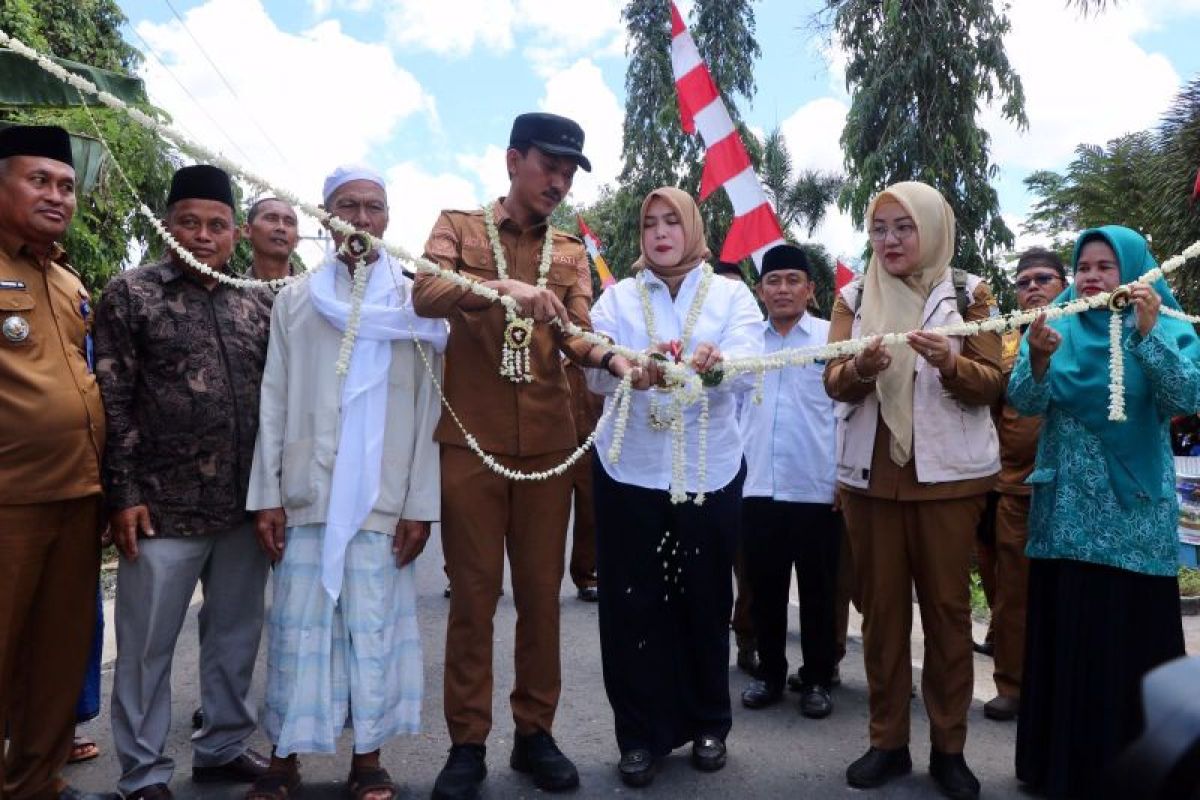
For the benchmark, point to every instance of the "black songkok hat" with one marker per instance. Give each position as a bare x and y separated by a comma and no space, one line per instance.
785,256
201,182
42,141
552,134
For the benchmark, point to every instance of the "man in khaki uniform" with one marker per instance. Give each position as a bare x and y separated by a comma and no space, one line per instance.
53,434
525,422
587,408
1040,277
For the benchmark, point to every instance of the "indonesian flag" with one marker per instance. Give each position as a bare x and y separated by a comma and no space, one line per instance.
755,228
843,275
594,249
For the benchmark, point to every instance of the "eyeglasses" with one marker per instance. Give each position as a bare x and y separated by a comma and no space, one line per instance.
1041,280
902,232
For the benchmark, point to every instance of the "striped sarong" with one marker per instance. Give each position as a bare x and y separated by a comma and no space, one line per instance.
356,663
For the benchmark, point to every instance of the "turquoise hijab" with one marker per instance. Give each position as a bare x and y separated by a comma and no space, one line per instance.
1078,372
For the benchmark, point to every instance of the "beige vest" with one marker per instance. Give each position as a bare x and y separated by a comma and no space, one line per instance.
951,441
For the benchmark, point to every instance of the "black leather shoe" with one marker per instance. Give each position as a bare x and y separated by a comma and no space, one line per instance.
815,701
538,755
637,768
953,776
761,694
984,648
198,719
465,769
708,753
71,793
795,683
1002,708
747,660
246,768
877,767
589,594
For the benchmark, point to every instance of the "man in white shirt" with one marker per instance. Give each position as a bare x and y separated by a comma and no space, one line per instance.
788,514
346,483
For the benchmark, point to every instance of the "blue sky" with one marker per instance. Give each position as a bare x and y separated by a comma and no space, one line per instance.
425,90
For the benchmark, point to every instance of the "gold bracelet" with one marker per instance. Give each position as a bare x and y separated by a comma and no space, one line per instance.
857,376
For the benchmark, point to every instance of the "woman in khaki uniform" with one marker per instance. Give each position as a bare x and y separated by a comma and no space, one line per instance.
917,453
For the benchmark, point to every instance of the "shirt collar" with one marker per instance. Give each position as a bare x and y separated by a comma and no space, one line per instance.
653,282
804,326
502,218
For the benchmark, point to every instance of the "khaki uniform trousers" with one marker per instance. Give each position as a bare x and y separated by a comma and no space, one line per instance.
49,566
483,516
1010,568
897,545
583,532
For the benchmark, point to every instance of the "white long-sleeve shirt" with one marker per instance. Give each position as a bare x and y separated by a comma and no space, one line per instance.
300,412
791,436
729,319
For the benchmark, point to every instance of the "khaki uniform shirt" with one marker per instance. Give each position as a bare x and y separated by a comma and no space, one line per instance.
1018,435
506,418
977,382
50,410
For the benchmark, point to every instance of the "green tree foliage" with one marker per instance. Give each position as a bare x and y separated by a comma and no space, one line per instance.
800,199
1101,186
918,71
656,151
1143,180
88,31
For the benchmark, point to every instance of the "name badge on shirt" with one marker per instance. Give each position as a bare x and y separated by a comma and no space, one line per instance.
13,285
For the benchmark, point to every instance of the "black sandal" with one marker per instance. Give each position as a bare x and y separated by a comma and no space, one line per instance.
275,785
364,780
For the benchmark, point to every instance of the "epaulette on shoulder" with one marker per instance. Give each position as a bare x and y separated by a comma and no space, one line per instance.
465,212
566,235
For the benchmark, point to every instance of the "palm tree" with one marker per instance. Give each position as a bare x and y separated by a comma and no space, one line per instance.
802,199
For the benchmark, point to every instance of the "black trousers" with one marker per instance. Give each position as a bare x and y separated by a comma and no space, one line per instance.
778,536
664,611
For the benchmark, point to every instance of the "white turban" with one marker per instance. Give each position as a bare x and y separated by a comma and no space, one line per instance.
350,172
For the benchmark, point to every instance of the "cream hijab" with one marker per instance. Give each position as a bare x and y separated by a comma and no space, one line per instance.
695,249
893,304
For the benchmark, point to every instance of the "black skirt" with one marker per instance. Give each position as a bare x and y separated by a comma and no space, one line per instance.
1092,632
666,593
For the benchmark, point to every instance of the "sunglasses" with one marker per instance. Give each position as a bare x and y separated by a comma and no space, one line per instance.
1030,280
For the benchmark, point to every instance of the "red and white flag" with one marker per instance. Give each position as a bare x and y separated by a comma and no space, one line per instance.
755,228
843,275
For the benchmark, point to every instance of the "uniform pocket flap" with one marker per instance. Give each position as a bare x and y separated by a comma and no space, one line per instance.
16,301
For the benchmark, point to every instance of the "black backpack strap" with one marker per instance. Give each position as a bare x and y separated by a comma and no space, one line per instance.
959,277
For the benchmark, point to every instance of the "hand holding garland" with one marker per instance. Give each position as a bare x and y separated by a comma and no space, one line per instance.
1043,341
1146,304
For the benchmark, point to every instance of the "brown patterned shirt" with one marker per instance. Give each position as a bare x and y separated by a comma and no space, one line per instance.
180,367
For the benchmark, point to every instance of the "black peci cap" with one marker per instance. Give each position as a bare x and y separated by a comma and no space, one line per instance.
785,256
552,134
41,141
201,182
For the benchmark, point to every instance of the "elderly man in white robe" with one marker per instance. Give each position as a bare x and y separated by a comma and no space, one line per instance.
346,484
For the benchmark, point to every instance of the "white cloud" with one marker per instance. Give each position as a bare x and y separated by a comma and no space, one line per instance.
293,88
812,133
415,197
451,27
579,92
1086,80
488,171
561,31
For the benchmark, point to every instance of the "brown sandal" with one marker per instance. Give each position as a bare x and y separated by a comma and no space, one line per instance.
364,780
275,785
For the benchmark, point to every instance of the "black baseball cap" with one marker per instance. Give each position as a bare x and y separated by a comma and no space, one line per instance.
550,133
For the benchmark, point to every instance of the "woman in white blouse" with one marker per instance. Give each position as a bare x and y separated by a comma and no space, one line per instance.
666,594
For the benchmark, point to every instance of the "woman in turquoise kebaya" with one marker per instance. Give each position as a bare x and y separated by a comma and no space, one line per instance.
1103,592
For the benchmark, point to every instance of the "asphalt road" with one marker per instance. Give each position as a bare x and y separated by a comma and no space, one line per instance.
773,753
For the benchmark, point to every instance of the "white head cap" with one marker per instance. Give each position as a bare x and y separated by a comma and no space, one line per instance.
350,172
